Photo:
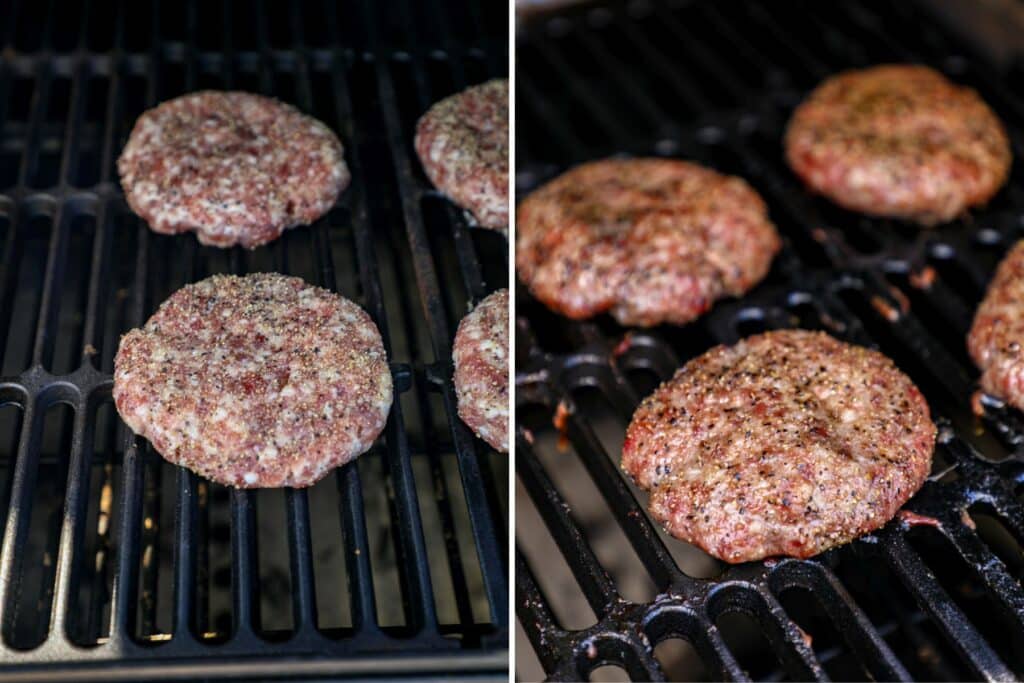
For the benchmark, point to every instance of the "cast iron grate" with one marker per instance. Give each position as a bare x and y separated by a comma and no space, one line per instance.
716,82
114,563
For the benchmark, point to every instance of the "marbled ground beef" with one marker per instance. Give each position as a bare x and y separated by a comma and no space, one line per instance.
648,240
233,167
481,359
256,381
787,443
899,141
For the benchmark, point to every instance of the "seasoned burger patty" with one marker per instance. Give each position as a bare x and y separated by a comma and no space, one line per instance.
648,240
462,142
788,443
997,334
481,356
235,168
900,141
256,381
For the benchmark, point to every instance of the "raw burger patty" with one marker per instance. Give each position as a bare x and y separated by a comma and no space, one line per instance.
234,167
997,334
462,142
788,443
649,240
899,141
481,370
256,381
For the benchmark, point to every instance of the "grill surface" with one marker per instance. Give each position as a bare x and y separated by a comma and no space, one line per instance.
716,82
116,564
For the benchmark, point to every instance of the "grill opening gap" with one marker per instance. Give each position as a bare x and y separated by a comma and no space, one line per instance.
330,571
274,568
45,167
300,252
215,619
912,635
999,538
586,504
89,614
31,245
679,660
936,316
30,19
804,608
116,309
153,624
552,332
749,645
491,249
958,278
383,538
437,222
74,290
171,79
66,27
31,596
404,76
11,419
969,593
20,102
554,578
90,133
100,37
528,666
609,673
440,495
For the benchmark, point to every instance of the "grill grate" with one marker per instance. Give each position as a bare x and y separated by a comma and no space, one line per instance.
717,83
113,562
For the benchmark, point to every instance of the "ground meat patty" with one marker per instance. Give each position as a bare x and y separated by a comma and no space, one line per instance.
788,443
256,381
997,334
649,240
462,142
900,141
234,167
481,369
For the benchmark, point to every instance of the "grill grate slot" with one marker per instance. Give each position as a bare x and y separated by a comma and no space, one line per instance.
127,562
882,607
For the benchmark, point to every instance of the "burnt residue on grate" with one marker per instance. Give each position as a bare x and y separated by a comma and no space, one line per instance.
116,561
602,592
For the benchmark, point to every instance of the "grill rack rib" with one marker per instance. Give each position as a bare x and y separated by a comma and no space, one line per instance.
424,646
837,272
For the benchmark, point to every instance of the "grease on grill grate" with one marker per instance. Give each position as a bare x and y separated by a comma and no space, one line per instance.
115,557
601,592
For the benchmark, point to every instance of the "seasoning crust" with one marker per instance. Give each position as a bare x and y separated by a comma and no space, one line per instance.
787,443
256,381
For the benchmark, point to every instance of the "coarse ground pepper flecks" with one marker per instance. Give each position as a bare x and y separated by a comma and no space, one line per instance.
256,381
787,443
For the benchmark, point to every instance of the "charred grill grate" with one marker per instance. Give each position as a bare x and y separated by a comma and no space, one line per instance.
114,563
716,83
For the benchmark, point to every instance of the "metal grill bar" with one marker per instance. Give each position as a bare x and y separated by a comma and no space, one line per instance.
967,641
427,281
